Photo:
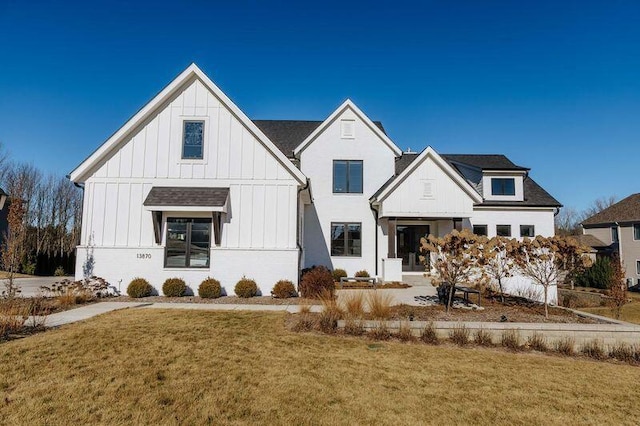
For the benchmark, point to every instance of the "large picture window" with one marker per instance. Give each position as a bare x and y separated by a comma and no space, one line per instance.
192,140
346,239
347,176
188,243
503,186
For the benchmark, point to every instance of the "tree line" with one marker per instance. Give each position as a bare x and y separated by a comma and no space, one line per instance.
44,214
568,220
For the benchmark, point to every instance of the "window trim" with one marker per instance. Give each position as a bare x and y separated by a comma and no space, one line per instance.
187,242
506,236
348,162
503,194
638,267
346,239
533,227
634,231
344,135
615,240
486,230
205,126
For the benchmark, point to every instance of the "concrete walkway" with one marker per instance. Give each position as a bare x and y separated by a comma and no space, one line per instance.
30,287
86,312
232,307
406,296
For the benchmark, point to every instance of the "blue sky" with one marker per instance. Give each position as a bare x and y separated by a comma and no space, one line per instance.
553,85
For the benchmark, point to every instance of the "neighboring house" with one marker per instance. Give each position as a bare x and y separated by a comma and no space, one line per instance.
618,226
191,187
4,211
597,248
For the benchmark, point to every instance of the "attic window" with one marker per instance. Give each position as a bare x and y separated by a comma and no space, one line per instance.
347,129
192,138
503,186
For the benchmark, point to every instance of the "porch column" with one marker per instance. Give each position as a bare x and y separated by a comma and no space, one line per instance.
391,232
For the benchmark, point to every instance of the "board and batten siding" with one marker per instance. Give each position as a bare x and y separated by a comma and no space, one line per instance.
263,194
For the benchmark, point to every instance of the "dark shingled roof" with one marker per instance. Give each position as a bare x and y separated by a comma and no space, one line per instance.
288,134
2,192
588,240
484,161
534,196
186,196
627,210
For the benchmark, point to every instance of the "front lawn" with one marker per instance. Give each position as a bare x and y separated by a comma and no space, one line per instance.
630,312
192,367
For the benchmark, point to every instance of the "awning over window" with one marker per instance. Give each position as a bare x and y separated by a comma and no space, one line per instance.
188,199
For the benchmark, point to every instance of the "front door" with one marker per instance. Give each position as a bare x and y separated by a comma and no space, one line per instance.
409,245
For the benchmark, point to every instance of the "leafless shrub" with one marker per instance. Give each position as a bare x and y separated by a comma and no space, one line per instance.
380,332
510,339
353,327
622,352
483,337
537,342
429,335
565,346
304,322
460,335
404,333
330,314
593,349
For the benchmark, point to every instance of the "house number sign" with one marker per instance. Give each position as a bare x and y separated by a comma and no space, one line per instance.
143,255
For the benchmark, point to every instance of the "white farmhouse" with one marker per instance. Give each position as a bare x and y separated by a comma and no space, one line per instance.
191,187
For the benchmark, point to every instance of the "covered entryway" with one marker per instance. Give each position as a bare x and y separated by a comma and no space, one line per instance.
408,246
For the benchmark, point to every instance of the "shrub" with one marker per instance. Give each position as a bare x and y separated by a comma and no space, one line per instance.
379,304
353,327
305,322
565,346
599,275
174,287
304,309
330,314
139,287
354,304
537,342
362,274
246,288
380,332
59,272
316,282
284,289
339,273
210,289
593,349
459,335
622,352
483,338
429,335
404,333
510,339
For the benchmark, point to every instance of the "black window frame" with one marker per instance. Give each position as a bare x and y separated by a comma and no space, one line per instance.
636,231
346,241
615,235
637,267
502,187
189,221
486,230
533,228
498,234
347,185
184,134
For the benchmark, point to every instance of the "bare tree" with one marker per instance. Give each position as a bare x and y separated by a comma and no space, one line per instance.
567,222
597,206
618,289
496,263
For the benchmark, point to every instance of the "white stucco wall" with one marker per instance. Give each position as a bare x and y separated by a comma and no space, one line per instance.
541,219
317,164
518,182
262,208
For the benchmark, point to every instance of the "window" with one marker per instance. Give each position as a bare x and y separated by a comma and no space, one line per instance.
188,242
637,267
614,234
347,176
347,129
636,231
192,140
503,230
457,224
346,239
480,230
527,231
503,186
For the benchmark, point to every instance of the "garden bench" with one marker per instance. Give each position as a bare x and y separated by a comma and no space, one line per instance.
370,280
466,291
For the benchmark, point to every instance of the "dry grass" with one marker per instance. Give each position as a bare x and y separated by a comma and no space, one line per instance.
353,304
460,335
565,346
629,312
4,275
483,338
510,339
194,367
537,342
379,304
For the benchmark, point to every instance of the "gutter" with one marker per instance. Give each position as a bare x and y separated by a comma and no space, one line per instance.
375,213
299,226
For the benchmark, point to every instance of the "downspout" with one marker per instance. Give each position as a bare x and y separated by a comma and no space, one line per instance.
375,213
299,226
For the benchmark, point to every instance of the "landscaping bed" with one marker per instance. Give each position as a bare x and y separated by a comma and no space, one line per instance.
363,285
224,300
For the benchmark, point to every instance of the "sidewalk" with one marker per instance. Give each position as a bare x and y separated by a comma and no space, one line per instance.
86,312
232,307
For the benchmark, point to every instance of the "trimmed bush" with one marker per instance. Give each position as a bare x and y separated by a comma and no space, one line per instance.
139,287
317,282
339,273
246,288
284,289
210,289
174,287
362,274
599,275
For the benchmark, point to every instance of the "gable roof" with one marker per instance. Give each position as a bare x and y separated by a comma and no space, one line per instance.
626,210
348,104
407,166
287,135
484,161
588,240
192,72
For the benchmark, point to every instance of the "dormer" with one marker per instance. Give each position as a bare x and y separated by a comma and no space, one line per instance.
507,185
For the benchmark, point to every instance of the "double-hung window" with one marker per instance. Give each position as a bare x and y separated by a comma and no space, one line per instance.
346,239
193,140
347,176
636,231
188,243
614,234
503,186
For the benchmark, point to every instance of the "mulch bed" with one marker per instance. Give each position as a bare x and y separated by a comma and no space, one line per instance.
361,285
224,300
